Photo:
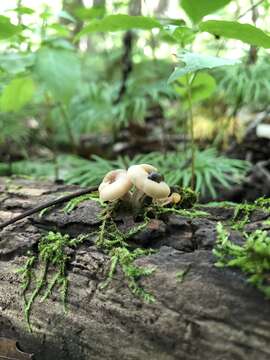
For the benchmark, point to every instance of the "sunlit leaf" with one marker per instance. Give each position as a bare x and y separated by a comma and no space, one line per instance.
90,13
235,30
24,10
197,9
15,62
61,30
7,29
181,34
120,22
66,15
195,62
202,87
59,70
17,94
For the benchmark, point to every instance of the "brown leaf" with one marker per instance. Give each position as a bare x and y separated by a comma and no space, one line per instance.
10,351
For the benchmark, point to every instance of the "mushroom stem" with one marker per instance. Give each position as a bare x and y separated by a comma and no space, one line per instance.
137,199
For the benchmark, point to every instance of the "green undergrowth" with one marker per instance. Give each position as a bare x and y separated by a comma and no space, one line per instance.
253,257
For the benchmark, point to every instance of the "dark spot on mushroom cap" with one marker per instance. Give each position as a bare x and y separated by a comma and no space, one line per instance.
156,177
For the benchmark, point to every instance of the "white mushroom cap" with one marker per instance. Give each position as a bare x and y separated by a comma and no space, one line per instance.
263,131
138,173
114,185
139,177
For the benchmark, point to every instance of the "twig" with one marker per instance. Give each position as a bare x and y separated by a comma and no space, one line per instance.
48,204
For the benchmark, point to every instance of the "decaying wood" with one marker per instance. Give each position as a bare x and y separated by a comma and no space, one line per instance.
9,350
211,314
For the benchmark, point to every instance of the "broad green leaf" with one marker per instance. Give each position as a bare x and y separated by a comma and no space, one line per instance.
202,87
90,13
197,9
61,30
24,10
181,34
15,62
67,16
120,22
235,30
59,70
7,29
17,94
195,62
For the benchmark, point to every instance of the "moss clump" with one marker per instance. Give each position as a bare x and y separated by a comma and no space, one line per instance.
73,203
180,275
52,253
125,258
253,257
115,243
188,198
243,212
191,213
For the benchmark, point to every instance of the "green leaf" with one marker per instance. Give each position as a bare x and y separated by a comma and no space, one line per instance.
197,9
195,62
67,16
7,29
120,22
59,70
235,30
24,10
61,30
17,94
15,62
90,13
182,34
202,87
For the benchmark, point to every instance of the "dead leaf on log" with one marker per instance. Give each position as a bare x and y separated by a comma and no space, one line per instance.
9,351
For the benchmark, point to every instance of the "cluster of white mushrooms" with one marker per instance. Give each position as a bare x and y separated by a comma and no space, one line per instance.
117,184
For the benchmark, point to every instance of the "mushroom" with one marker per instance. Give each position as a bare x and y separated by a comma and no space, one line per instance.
148,181
115,185
173,199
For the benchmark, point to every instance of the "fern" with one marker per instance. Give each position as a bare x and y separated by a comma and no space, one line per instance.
248,85
212,170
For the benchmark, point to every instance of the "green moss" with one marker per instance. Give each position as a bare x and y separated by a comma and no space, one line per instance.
180,275
243,212
188,197
52,254
115,243
266,222
73,203
191,213
125,258
253,257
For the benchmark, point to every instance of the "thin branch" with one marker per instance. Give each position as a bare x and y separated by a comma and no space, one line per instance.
250,9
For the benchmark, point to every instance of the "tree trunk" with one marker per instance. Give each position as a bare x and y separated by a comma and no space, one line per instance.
211,314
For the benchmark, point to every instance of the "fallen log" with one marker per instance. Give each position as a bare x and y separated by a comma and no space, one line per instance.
208,313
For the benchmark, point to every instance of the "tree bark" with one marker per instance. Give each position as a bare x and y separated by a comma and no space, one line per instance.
211,314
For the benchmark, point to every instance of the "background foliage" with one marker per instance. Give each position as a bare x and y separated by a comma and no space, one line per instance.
85,88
